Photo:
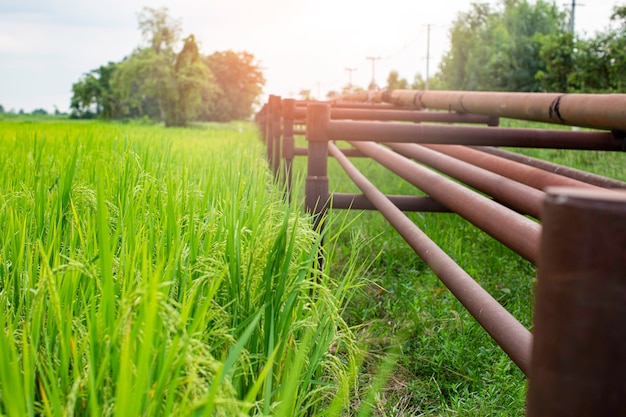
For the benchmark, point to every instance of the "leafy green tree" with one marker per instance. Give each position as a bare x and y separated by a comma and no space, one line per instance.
159,29
463,66
1,109
241,82
599,62
94,94
394,82
519,30
499,50
557,54
157,82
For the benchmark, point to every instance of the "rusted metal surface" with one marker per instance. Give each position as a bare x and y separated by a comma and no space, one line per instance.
289,106
576,174
519,196
472,135
273,132
403,115
512,229
534,177
599,111
514,338
403,202
317,194
276,135
347,152
579,353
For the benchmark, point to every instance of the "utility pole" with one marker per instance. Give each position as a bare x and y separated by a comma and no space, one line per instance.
373,59
572,18
428,26
350,71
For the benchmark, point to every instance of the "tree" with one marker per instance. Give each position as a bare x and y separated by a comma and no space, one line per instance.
557,54
241,82
462,68
305,95
159,30
599,63
394,82
164,86
94,95
157,82
520,28
1,109
500,50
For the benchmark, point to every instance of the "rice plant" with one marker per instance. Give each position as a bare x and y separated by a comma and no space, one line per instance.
146,271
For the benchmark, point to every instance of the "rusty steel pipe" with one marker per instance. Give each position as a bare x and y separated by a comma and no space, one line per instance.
579,354
471,135
356,105
273,131
534,177
598,111
316,184
288,144
277,134
512,229
519,196
347,152
509,333
403,115
403,202
573,173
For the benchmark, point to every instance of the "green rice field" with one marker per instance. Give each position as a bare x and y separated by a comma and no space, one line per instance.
159,272
151,271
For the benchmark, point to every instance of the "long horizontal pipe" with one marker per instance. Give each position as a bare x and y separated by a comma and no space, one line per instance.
509,333
403,202
403,115
521,197
573,173
512,229
348,104
599,111
531,176
348,152
471,135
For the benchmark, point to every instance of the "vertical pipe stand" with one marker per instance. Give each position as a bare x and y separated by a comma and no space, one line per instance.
289,106
317,195
578,365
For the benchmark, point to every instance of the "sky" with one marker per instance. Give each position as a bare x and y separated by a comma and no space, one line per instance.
46,45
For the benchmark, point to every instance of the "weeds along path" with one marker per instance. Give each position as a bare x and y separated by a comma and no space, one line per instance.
158,271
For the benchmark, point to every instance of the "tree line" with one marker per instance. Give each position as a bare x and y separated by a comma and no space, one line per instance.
529,47
524,46
159,83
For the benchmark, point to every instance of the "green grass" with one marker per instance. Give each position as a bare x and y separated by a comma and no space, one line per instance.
146,271
447,365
